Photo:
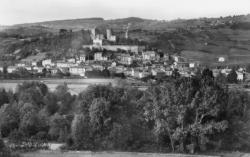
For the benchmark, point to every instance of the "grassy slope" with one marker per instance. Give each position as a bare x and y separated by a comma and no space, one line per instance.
234,45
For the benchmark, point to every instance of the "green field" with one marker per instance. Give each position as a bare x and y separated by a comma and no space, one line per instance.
75,85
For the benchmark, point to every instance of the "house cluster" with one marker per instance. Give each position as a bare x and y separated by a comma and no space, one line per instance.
137,65
131,64
39,64
241,72
150,63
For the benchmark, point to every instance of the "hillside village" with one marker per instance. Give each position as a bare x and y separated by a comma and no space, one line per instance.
110,60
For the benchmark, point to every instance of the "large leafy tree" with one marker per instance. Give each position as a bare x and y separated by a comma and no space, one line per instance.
221,78
31,122
85,98
238,114
65,99
32,92
37,85
51,105
59,127
81,133
248,68
99,113
187,114
4,98
10,119
207,73
232,77
100,121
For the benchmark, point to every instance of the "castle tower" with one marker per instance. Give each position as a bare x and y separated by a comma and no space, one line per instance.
109,34
126,34
93,33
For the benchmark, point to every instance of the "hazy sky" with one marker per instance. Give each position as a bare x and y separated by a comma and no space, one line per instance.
23,11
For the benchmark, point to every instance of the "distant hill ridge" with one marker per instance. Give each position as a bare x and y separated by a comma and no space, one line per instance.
86,23
136,23
64,20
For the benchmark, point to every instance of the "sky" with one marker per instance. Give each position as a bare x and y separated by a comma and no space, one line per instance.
27,11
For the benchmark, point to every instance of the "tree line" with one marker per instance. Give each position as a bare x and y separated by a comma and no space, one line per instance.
181,115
